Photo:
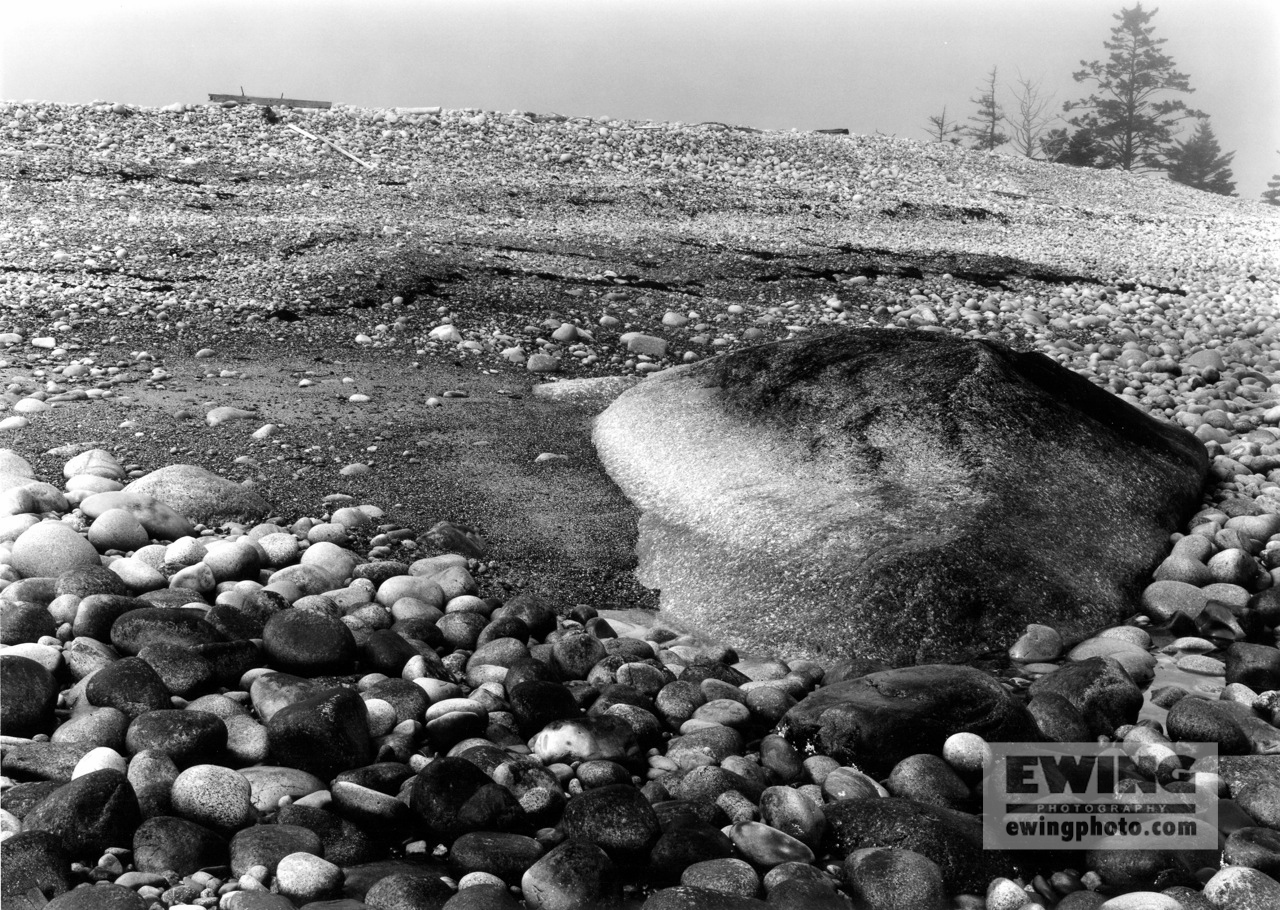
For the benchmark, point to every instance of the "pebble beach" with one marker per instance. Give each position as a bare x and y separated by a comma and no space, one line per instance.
356,693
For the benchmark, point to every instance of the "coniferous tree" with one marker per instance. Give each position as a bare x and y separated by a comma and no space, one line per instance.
1198,162
941,129
1078,149
1271,195
1030,123
1128,116
985,132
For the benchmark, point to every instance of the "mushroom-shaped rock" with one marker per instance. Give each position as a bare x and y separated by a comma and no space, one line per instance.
909,496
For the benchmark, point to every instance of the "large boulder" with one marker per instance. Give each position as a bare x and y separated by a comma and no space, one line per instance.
910,496
201,495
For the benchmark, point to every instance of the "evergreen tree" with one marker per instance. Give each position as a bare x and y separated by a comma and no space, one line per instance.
1198,162
1078,149
1271,195
942,130
985,132
1128,117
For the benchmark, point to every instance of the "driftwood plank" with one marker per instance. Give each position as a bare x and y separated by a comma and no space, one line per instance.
278,102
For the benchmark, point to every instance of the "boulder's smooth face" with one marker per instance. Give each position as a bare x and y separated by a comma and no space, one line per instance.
903,495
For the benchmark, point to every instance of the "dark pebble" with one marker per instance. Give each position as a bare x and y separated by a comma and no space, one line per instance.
686,897
266,845
705,668
167,843
951,839
134,630
461,630
1099,689
385,652
452,797
797,894
187,737
576,653
681,847
504,627
182,670
875,721
129,685
894,879
33,859
602,773
89,814
308,643
727,876
1082,900
483,897
1200,721
781,759
1257,848
43,761
1256,666
97,613
927,779
30,696
402,891
378,572
505,855
1261,800
323,734
536,703
172,597
89,581
538,616
574,874
1058,720
100,896
231,660
344,843
708,746
1131,870
24,622
19,798
409,700
616,818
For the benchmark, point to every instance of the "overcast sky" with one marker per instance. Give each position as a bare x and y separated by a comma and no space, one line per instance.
867,65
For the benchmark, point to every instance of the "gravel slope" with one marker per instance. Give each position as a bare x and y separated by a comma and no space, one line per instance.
134,238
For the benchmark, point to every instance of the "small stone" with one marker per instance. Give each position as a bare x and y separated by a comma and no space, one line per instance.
30,696
214,797
89,814
767,846
303,878
575,874
889,878
1242,888
1202,664
118,529
169,844
50,548
617,818
728,876
542,363
1038,643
